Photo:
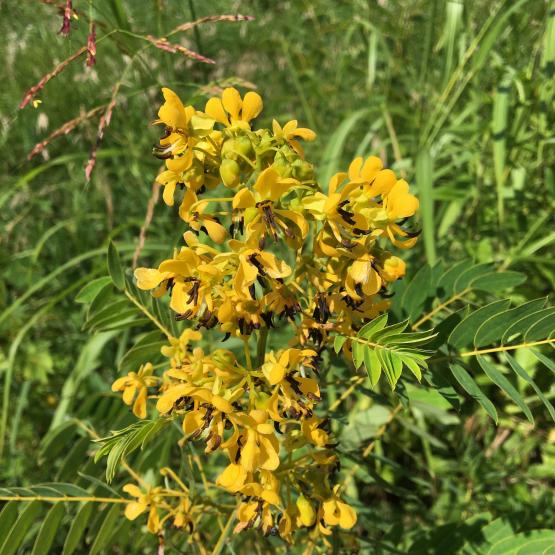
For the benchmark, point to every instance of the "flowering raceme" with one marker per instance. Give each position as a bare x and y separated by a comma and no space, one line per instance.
265,247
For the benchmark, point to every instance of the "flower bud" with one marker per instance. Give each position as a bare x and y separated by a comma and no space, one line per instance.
306,516
302,170
230,173
237,148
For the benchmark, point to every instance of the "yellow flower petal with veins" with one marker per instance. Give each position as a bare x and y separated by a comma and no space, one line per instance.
215,109
134,509
232,478
231,100
149,278
252,106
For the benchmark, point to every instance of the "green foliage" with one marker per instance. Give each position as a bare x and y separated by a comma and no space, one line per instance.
120,444
456,95
387,348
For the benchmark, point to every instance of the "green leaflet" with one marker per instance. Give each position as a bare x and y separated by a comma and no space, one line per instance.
16,535
517,368
494,327
471,387
387,349
77,529
500,380
123,442
463,334
49,529
115,268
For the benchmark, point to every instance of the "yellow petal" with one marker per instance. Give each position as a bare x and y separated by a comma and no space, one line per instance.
371,167
120,383
139,407
221,404
400,203
276,128
331,514
215,109
193,421
149,278
243,199
134,509
270,496
129,393
305,133
172,112
169,191
167,400
296,218
354,168
249,452
231,99
360,270
307,516
132,490
383,183
232,478
252,106
216,231
274,373
347,515
153,523
269,452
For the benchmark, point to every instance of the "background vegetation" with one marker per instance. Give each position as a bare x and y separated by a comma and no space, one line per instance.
458,96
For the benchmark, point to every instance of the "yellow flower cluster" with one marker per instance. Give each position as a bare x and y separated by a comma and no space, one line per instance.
291,254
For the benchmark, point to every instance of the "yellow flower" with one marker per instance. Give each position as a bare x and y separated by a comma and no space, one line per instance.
189,276
192,212
170,177
177,119
312,430
257,446
399,203
290,131
253,263
239,316
145,501
362,278
177,349
256,511
335,512
232,110
260,212
393,268
134,387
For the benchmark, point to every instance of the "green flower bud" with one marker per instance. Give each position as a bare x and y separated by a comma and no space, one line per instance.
230,173
302,170
237,148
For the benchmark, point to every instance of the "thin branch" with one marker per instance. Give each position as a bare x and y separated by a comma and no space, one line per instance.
150,316
439,308
64,499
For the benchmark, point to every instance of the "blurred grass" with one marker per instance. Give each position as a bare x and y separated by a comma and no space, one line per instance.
456,96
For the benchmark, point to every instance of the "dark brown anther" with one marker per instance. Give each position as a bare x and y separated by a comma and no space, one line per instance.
167,132
193,293
184,316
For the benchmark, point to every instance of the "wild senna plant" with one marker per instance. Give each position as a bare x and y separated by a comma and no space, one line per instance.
265,246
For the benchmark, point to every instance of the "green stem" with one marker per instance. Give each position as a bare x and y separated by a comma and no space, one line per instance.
261,346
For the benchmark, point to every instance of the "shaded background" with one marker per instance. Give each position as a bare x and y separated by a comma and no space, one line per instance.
456,96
